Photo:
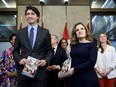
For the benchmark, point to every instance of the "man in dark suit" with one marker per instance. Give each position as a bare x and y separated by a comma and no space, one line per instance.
33,41
56,64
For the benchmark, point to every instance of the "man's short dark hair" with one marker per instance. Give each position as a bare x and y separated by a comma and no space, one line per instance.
34,9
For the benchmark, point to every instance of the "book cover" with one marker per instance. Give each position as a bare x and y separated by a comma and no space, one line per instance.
65,67
30,68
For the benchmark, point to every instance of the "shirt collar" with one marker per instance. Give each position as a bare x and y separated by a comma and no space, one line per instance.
55,47
35,27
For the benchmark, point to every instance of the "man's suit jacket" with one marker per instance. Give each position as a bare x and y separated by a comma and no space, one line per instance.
57,59
41,50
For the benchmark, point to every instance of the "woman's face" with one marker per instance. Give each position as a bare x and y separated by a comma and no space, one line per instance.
80,31
12,41
102,38
64,44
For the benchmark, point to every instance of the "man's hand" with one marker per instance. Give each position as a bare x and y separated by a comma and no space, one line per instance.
54,67
23,61
49,68
41,63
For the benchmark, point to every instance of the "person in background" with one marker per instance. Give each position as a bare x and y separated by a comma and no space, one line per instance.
33,41
106,62
63,43
8,70
56,64
84,55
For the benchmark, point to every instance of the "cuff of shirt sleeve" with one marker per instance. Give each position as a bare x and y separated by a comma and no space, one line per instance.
58,67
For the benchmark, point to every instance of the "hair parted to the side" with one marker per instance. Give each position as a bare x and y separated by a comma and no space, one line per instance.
99,43
74,38
34,9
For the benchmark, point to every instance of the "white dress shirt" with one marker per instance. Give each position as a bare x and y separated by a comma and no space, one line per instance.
55,48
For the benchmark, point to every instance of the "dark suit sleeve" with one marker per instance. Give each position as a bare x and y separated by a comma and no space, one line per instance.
91,61
16,51
49,54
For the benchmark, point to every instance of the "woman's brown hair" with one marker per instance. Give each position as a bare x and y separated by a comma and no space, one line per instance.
99,43
74,38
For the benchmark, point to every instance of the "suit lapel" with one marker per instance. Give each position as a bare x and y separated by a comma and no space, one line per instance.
56,51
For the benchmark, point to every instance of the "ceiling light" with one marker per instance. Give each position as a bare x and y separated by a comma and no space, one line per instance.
6,4
66,1
41,1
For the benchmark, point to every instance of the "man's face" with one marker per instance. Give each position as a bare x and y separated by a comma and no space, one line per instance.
53,40
31,17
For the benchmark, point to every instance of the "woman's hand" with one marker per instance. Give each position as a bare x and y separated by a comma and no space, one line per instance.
9,73
71,71
109,70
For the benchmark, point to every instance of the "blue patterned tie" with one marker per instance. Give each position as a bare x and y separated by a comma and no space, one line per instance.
31,36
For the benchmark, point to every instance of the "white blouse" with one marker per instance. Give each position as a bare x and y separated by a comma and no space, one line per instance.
106,60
